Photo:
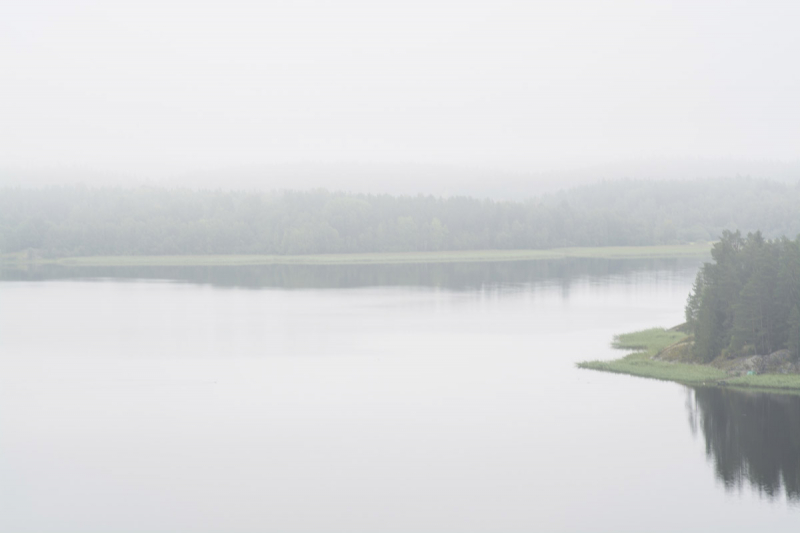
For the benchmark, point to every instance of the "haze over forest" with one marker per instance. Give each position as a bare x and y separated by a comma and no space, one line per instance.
75,220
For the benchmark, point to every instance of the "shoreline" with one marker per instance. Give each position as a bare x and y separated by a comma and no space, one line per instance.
700,250
647,344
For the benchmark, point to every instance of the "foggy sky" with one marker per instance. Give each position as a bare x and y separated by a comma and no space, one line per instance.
176,90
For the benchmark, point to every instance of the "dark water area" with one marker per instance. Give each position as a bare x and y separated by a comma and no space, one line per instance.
440,397
752,439
453,276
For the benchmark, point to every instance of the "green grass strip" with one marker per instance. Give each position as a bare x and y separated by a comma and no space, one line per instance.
611,252
649,342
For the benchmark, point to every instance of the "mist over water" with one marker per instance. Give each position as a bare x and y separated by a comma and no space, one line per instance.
424,397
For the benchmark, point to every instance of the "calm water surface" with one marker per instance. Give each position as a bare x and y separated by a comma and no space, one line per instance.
394,398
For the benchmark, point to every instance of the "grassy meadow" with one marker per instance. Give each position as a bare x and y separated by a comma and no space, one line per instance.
648,343
698,250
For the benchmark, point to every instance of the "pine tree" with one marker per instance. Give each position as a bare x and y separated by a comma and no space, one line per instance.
794,333
745,300
695,298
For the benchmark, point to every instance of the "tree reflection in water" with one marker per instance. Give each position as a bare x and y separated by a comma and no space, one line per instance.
452,276
752,438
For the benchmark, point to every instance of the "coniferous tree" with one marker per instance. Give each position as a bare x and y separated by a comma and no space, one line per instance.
793,328
745,301
694,300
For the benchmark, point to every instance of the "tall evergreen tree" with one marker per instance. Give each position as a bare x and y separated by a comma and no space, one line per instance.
794,333
745,301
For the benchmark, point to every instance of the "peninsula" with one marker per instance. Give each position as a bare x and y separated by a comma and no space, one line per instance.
742,322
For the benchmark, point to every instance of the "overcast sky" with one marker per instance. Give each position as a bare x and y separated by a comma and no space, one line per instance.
159,89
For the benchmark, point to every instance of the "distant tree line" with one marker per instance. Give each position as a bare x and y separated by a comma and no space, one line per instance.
77,220
747,301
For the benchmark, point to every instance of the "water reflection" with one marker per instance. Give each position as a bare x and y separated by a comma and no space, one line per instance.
453,276
752,438
122,399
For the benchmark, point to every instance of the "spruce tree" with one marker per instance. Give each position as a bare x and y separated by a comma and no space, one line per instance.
746,301
794,333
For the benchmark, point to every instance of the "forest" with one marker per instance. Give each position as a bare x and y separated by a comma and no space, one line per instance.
747,300
79,220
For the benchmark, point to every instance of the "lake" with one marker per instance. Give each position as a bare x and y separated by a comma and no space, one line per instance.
371,398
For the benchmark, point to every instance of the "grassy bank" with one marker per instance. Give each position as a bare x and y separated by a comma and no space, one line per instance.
612,252
648,343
